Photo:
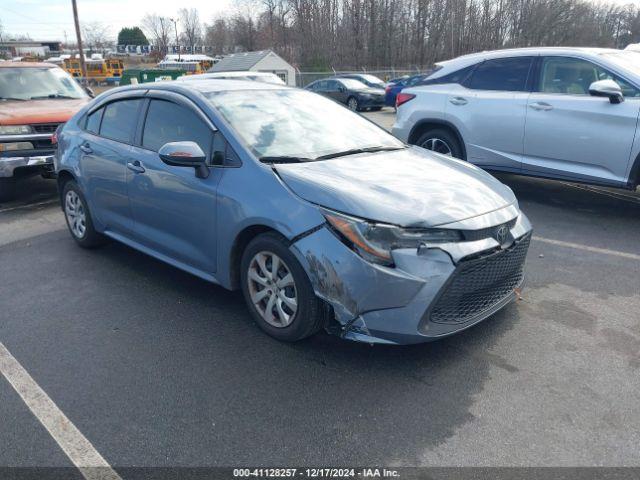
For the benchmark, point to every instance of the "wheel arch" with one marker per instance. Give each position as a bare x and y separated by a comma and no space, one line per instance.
64,176
242,239
423,125
634,174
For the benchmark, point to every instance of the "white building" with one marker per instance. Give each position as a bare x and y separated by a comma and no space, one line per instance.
262,61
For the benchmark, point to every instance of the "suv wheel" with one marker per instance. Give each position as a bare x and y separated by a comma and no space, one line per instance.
78,217
352,103
278,292
440,141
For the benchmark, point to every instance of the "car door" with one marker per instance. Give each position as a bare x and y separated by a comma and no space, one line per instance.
105,151
570,134
336,91
174,211
489,110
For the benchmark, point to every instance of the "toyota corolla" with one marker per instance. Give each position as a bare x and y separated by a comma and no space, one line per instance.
321,218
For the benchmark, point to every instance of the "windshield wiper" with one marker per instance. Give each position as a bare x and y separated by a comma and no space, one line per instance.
284,159
354,151
53,95
13,98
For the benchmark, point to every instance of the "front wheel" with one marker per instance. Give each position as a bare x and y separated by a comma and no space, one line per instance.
441,141
278,292
353,105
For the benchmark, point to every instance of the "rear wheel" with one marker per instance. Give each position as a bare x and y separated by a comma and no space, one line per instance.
278,292
78,217
441,141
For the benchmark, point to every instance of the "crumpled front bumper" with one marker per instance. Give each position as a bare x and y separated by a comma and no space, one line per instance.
377,304
8,165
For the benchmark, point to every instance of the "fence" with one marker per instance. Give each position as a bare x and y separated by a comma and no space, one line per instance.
305,78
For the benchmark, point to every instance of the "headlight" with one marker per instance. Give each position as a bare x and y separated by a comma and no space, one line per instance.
14,129
9,147
374,241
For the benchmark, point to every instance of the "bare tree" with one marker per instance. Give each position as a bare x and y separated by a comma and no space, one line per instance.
96,35
191,26
159,29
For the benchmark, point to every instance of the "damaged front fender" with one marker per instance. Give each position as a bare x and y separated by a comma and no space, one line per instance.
351,285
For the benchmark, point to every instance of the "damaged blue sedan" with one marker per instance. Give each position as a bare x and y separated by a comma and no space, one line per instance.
321,218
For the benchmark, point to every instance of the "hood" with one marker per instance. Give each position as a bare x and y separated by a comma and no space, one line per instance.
39,111
409,187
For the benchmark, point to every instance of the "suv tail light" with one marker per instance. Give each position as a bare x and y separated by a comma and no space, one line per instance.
403,98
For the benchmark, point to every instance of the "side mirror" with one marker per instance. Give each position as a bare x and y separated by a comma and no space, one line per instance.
185,154
342,89
607,88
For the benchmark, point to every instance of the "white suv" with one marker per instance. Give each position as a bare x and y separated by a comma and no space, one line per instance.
565,113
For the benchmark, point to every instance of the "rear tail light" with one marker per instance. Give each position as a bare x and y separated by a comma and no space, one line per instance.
387,89
403,98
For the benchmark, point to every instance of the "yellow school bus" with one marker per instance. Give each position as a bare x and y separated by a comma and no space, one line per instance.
98,70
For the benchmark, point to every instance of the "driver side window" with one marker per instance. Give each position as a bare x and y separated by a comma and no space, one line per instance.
169,122
573,76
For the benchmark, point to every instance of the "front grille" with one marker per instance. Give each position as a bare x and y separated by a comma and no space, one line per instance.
45,127
472,235
480,283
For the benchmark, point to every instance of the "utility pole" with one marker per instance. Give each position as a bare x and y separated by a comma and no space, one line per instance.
83,65
175,25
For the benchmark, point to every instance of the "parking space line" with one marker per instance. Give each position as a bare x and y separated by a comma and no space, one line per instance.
76,446
587,248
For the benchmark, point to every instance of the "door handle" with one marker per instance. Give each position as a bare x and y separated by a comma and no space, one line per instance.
135,166
541,106
86,148
458,100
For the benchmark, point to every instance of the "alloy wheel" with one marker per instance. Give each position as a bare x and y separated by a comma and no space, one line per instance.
437,145
272,289
353,104
76,214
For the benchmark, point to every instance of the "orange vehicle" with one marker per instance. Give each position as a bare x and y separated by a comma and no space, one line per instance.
35,99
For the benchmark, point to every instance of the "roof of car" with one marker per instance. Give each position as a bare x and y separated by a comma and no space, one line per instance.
204,86
472,58
11,64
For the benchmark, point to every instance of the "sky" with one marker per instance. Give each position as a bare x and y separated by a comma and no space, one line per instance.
50,19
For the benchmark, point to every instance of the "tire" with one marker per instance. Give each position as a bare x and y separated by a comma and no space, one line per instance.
78,217
7,189
310,314
434,139
376,109
352,104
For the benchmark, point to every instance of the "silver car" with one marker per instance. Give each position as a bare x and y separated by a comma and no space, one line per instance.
563,113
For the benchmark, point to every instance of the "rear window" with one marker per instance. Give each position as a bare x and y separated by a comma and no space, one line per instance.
119,120
93,121
502,74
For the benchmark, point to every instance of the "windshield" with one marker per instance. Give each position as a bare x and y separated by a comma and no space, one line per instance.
27,83
297,123
627,60
352,84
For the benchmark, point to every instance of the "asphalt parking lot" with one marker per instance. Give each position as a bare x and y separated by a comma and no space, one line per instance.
158,368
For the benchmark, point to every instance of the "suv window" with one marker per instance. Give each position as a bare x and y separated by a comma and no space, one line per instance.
119,120
459,76
502,74
169,122
93,121
573,76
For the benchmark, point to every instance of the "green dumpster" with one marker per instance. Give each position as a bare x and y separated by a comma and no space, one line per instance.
149,75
